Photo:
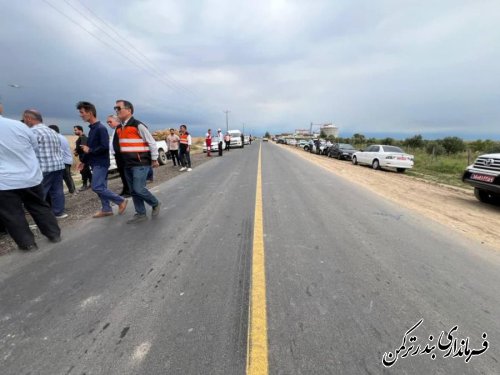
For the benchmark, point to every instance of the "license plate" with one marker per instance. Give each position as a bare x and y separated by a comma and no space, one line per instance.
401,158
482,177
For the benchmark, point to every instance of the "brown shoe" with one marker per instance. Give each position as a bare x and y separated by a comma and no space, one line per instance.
122,207
99,214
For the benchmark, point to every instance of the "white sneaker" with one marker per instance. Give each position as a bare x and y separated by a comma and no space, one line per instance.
62,216
182,169
189,169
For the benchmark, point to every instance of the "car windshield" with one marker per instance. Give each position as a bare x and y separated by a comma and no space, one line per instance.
393,149
346,146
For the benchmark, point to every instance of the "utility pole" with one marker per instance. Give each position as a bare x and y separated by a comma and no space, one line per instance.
227,122
243,127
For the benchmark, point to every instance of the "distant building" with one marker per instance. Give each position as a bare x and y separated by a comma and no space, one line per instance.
301,133
330,129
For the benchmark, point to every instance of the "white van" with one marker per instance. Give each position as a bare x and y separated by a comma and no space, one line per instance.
235,138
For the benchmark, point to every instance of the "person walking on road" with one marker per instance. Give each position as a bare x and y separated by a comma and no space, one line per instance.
21,186
227,137
114,123
173,146
220,139
185,148
96,155
140,153
86,173
67,159
208,141
51,161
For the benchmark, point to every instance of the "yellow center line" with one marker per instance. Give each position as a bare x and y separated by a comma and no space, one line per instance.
257,361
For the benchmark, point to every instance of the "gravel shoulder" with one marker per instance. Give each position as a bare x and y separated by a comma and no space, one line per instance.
454,207
83,205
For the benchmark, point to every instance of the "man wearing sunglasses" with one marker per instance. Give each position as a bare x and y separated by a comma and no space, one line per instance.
139,153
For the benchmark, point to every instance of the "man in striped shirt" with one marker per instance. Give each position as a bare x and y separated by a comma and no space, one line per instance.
51,161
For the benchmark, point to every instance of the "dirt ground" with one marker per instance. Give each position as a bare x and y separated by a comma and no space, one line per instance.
453,207
84,204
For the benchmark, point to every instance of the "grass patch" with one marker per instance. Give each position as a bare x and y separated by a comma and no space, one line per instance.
444,169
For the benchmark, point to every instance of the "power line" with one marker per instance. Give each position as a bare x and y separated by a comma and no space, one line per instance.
105,43
128,45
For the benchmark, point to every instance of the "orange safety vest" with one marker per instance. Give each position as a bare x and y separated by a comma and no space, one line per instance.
184,138
131,141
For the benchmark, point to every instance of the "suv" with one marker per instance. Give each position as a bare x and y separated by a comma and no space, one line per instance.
484,176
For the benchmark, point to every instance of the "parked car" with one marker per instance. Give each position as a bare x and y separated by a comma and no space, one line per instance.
341,151
484,176
309,146
162,156
246,139
235,138
214,146
302,143
281,141
384,156
291,142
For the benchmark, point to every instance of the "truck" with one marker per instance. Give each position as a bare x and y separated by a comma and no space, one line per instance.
484,176
235,138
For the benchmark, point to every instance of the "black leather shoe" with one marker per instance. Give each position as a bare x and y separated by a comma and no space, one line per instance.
55,239
28,247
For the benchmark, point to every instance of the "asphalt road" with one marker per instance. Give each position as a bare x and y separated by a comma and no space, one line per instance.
348,273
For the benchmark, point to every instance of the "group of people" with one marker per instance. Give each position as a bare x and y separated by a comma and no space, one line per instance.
220,141
35,159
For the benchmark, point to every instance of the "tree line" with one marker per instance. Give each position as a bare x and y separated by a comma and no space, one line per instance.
447,145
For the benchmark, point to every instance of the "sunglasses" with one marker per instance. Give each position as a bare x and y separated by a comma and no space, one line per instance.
118,109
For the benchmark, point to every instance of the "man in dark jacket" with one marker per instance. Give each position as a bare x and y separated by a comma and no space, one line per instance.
85,172
96,154
140,153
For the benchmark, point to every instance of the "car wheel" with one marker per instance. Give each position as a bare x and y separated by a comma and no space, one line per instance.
306,148
375,164
485,196
354,160
339,156
401,170
162,157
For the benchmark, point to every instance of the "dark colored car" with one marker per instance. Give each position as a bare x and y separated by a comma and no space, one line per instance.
484,176
281,140
341,151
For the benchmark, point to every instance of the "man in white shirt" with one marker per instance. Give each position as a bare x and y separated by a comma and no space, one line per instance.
67,159
173,146
21,186
220,138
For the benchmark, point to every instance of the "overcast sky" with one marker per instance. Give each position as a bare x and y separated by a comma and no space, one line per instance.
388,67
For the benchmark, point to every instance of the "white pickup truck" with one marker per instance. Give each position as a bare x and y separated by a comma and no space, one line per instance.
235,138
162,155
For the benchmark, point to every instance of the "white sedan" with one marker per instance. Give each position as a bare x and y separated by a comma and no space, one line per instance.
383,156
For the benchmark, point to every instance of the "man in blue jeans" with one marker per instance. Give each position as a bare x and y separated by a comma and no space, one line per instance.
139,153
50,157
96,154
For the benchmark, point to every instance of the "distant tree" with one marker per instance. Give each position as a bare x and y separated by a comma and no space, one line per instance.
372,141
493,148
434,148
267,135
322,134
453,145
414,142
331,138
387,141
358,139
